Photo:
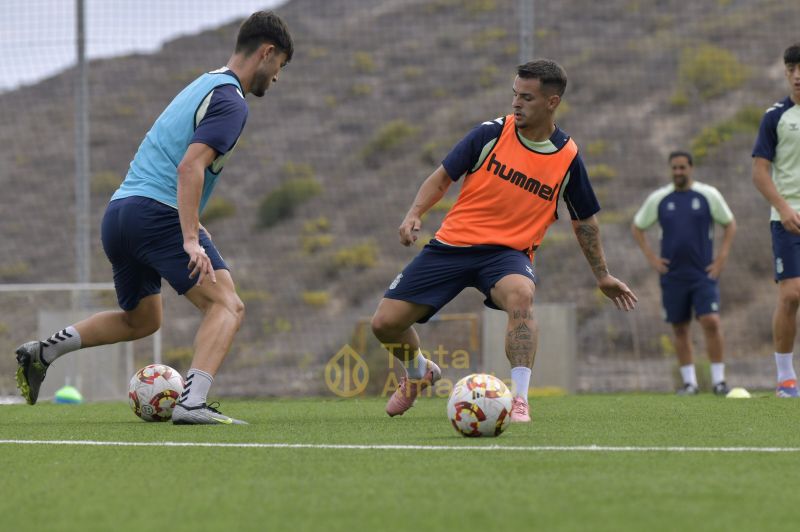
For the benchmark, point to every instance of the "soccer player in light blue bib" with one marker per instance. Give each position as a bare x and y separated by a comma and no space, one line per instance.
686,210
776,174
151,228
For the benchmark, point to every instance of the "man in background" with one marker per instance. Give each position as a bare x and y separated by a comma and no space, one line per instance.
686,210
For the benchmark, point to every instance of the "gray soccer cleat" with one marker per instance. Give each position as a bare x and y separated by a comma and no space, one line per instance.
688,389
202,415
31,370
721,389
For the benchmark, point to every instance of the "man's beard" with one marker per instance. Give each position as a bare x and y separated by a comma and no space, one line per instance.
260,84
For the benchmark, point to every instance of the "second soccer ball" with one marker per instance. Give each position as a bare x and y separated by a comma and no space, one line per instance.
153,392
480,405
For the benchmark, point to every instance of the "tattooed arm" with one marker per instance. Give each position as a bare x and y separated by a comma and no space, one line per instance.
588,234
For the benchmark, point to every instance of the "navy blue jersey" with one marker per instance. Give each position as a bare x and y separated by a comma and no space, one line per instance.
687,226
223,121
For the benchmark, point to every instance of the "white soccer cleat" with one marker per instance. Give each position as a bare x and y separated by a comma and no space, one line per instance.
202,415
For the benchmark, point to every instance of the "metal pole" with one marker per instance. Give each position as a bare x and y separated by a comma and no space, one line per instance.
525,31
82,230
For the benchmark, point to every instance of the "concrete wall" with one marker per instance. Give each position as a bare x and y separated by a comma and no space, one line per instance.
557,352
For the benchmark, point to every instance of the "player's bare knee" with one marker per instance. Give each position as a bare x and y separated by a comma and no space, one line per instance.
520,299
150,328
238,310
789,297
681,330
235,307
142,325
384,326
379,325
710,323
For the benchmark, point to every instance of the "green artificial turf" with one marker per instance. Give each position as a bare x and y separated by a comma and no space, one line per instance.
553,480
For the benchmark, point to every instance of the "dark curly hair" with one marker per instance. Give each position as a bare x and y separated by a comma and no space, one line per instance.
264,27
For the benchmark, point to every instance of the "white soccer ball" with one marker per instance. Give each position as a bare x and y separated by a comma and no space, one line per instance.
480,405
153,392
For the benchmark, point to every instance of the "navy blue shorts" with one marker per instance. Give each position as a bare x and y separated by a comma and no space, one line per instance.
786,251
679,297
143,240
440,272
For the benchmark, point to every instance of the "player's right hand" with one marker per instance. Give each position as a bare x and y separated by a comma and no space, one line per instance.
661,265
199,262
409,230
790,219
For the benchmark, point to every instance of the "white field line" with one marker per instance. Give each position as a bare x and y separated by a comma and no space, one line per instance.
367,447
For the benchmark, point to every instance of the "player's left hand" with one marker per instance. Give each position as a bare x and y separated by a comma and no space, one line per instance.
618,292
715,269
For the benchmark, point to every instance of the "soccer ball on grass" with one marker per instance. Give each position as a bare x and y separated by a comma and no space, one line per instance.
480,405
153,392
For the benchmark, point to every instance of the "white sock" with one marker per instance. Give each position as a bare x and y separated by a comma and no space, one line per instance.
521,377
785,368
61,343
717,372
417,366
198,383
688,375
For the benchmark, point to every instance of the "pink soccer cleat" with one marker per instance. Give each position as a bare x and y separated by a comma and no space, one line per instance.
519,411
406,394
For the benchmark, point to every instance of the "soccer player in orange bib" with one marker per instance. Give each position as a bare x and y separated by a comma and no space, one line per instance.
516,169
